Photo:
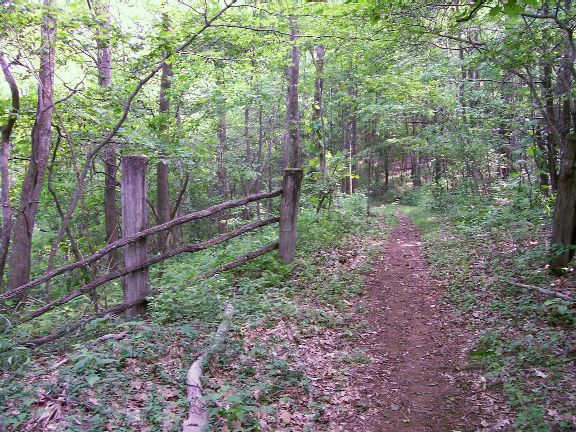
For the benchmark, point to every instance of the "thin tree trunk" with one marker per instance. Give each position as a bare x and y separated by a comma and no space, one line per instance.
222,173
318,133
162,187
6,131
247,183
21,257
353,170
259,161
551,141
104,65
344,146
292,152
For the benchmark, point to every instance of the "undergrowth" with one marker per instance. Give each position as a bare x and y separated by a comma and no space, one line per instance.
134,378
526,344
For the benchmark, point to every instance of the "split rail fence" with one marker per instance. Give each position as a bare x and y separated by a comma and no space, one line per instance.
134,242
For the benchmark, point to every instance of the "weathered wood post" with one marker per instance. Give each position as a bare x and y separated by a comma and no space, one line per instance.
289,213
134,219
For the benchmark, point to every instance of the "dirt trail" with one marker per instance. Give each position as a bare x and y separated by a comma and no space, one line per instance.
412,382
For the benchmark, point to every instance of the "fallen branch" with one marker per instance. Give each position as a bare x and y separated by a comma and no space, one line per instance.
197,420
114,336
541,290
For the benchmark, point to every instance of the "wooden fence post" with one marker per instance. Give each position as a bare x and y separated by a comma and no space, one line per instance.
289,212
134,219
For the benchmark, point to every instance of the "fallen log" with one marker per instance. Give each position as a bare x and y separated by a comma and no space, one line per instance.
545,291
198,419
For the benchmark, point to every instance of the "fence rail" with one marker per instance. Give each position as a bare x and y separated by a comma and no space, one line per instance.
135,270
138,236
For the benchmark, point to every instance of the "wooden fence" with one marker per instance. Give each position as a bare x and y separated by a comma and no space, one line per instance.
134,242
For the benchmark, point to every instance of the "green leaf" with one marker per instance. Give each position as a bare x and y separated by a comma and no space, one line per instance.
495,11
512,8
92,379
374,18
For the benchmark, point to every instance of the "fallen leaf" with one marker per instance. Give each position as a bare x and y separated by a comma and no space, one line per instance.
285,416
136,384
540,374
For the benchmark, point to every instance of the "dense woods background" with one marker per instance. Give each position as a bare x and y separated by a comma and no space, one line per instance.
463,108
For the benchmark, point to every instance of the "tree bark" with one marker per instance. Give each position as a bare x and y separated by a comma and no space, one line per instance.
247,183
6,131
353,180
162,187
318,132
564,223
551,141
21,257
292,151
222,173
198,417
104,65
289,213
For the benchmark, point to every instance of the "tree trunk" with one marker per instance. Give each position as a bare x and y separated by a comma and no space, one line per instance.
416,174
6,131
104,65
318,132
564,223
551,141
292,152
353,180
289,213
222,173
344,184
259,161
386,168
162,187
247,184
540,159
20,259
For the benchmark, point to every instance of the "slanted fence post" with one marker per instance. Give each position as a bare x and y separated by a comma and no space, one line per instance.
134,219
289,212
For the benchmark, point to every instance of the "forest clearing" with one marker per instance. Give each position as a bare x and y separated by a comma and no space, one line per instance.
291,216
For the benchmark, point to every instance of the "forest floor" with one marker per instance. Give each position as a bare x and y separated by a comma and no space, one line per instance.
376,332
